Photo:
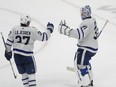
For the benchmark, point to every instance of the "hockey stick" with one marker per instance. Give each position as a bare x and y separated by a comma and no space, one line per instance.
70,69
9,60
102,28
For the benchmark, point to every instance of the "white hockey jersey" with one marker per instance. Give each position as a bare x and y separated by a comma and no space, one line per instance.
22,39
86,34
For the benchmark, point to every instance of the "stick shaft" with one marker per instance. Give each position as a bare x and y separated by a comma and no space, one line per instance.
9,60
70,69
102,28
12,70
3,40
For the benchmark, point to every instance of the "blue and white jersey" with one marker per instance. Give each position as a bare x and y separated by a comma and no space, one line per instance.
86,34
22,39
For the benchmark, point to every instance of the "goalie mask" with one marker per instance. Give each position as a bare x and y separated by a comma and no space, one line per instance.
85,12
25,20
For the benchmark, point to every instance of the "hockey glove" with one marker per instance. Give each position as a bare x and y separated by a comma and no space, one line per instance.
63,28
8,55
50,27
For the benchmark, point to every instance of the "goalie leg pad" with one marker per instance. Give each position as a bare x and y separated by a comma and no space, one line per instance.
84,71
90,73
83,56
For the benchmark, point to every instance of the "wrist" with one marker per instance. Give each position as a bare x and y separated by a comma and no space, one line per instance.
50,30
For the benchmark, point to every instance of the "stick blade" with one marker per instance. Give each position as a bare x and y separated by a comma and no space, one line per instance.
70,69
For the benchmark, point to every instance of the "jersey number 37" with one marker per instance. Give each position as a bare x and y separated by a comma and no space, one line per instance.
22,39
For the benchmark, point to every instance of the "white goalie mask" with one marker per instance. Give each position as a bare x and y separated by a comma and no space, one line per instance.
85,12
25,19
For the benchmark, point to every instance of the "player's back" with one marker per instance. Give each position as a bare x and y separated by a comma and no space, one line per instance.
89,40
24,38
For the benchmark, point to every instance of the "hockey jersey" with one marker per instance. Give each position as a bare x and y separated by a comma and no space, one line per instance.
22,39
86,34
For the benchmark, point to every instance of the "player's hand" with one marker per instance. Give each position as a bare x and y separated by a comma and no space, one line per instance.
50,27
8,55
62,27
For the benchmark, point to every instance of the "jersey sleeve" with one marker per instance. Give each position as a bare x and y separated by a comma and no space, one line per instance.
10,40
73,33
42,36
83,31
65,30
79,33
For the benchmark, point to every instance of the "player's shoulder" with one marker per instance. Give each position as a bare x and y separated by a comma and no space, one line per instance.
33,28
30,28
15,27
88,21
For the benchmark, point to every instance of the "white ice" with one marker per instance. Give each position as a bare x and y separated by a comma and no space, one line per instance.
54,56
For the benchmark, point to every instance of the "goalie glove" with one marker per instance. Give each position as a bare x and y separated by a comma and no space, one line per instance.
64,29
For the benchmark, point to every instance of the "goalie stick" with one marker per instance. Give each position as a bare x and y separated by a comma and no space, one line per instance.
102,29
9,60
70,69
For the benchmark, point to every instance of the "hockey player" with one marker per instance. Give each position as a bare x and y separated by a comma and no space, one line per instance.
22,39
86,34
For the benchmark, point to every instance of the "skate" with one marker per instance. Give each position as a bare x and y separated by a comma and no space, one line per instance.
85,86
91,84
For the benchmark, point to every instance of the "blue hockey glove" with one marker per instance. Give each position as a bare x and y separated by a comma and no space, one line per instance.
8,55
50,27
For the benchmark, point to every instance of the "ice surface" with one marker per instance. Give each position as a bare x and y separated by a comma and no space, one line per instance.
54,56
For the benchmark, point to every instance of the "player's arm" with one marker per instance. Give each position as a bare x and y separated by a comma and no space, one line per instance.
9,43
65,30
79,33
44,36
83,31
10,40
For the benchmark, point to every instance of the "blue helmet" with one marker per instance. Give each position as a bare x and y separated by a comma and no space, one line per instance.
85,12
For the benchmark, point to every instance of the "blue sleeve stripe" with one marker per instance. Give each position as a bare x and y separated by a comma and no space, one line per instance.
78,33
8,44
46,36
10,41
82,32
43,37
